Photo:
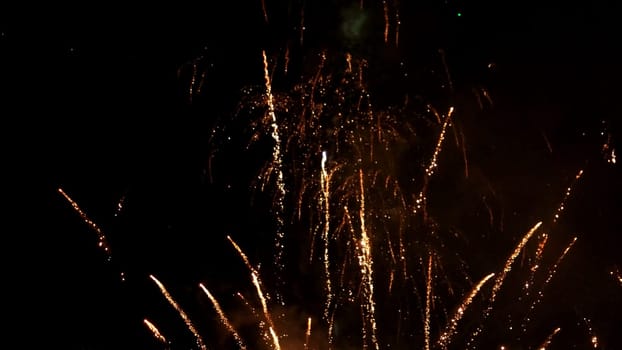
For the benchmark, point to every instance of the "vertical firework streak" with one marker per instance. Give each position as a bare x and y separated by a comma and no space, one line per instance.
428,304
325,192
277,162
181,312
307,334
366,264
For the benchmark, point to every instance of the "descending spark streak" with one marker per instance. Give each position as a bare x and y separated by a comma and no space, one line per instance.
566,195
264,306
307,334
386,21
536,264
552,272
262,299
244,257
156,333
429,171
276,158
181,312
101,237
501,277
508,264
224,318
250,307
548,339
428,301
447,334
325,185
365,262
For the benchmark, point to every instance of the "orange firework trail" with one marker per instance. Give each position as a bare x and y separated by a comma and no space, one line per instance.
156,333
429,170
102,241
501,277
566,195
447,334
276,158
223,318
181,312
428,306
264,305
325,186
307,334
548,339
366,264
540,293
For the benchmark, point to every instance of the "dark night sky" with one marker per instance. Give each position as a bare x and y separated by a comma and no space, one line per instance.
92,102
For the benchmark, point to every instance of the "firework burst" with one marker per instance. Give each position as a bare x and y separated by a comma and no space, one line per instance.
349,178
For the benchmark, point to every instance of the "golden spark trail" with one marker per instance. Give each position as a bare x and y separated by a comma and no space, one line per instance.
101,237
365,262
224,318
447,334
536,263
508,264
552,272
548,339
276,159
262,299
250,307
156,333
181,312
244,257
307,334
566,195
325,187
264,306
386,21
429,171
501,277
428,306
